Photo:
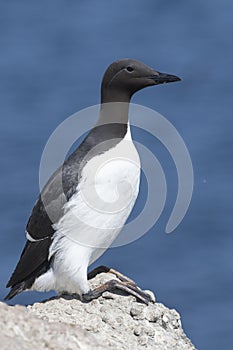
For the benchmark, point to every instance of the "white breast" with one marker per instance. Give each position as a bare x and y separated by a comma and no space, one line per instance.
95,214
104,198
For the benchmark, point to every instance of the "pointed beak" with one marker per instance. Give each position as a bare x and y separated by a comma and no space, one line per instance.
163,78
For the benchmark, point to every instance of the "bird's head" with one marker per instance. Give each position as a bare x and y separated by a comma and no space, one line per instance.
125,77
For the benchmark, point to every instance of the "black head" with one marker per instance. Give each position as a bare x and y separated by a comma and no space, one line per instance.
125,77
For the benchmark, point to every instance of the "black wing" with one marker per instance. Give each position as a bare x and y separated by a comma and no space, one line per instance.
34,260
49,206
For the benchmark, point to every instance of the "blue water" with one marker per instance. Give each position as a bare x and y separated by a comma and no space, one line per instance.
53,54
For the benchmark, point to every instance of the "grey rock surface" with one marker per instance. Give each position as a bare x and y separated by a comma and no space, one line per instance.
114,321
21,330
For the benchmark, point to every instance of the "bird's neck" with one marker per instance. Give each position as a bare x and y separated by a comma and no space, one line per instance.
114,112
110,94
114,105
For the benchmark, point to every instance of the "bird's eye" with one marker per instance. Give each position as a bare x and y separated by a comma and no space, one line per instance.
129,69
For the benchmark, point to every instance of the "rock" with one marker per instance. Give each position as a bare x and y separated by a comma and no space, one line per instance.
114,321
21,330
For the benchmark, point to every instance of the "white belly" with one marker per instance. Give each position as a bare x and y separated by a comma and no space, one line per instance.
95,214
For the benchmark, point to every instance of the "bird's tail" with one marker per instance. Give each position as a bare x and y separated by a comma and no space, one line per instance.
16,289
33,263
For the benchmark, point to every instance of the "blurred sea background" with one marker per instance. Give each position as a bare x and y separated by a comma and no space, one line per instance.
53,55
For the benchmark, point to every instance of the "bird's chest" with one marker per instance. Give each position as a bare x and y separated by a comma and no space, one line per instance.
110,181
104,198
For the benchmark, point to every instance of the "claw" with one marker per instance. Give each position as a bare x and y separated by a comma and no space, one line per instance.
113,285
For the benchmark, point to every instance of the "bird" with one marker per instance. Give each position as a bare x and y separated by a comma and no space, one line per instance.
79,212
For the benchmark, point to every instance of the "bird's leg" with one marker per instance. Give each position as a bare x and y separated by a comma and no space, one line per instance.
114,285
106,269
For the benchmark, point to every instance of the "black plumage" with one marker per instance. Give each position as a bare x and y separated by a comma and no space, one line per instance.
121,80
34,258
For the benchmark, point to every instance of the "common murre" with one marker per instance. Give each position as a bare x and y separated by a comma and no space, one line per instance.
63,239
